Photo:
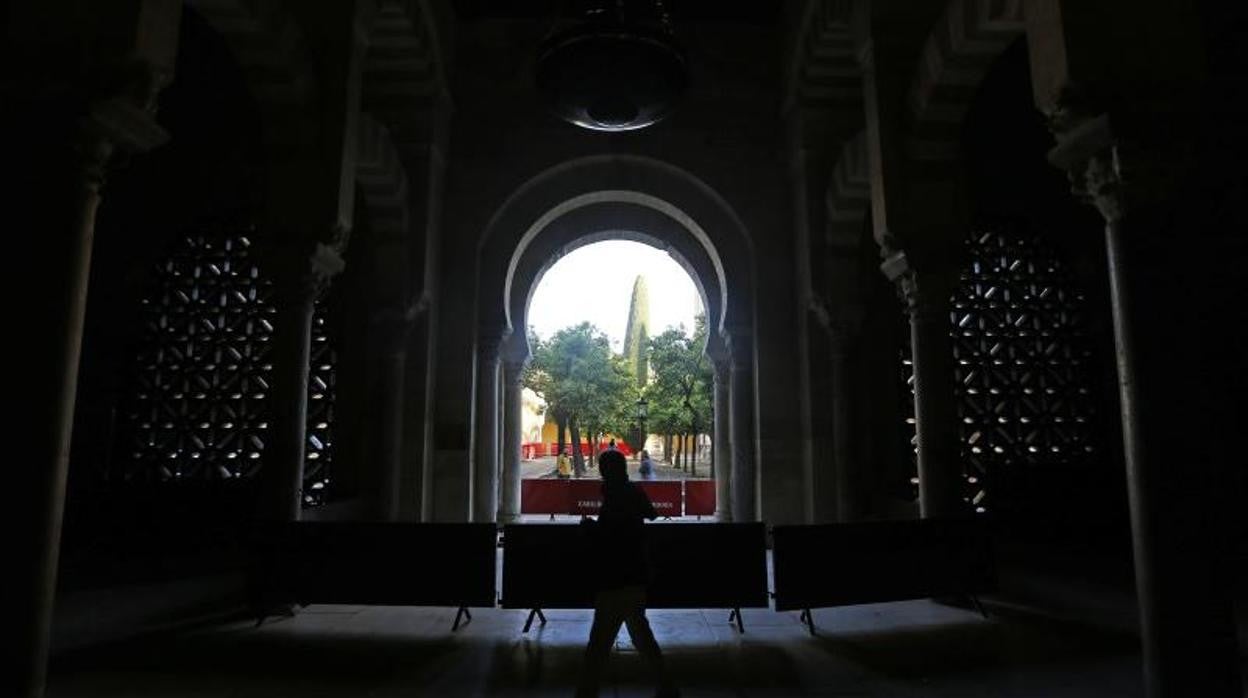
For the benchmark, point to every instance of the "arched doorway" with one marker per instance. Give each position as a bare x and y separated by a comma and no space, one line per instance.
616,357
578,203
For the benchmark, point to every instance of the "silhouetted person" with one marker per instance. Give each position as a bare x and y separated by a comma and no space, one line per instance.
622,570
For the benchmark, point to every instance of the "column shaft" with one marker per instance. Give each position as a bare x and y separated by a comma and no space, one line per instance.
392,369
848,505
282,475
935,410
744,463
73,220
513,428
485,462
723,443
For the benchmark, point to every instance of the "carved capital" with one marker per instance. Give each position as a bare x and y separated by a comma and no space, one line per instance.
303,271
1104,160
513,373
740,350
489,345
924,295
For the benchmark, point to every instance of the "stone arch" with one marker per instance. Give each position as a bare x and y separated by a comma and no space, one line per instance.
608,221
699,225
963,45
273,55
381,178
403,73
825,70
849,194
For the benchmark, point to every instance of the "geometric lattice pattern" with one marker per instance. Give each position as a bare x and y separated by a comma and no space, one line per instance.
201,408
1020,363
319,452
1020,360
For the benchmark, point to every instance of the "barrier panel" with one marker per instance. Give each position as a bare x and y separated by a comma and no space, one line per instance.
664,496
845,564
695,566
545,497
585,496
399,564
699,497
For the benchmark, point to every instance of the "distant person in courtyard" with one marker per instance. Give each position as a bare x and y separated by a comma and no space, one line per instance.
621,569
563,465
611,445
646,471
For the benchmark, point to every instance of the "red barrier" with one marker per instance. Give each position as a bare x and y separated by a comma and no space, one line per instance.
586,496
699,497
665,496
545,497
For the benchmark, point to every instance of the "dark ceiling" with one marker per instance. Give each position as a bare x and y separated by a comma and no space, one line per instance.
747,11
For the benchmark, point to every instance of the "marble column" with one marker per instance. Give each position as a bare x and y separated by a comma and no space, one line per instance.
723,442
302,272
1180,509
390,331
485,430
40,547
513,433
744,489
848,494
926,296
56,197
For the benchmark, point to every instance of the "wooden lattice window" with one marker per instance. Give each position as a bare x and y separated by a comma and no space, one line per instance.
201,407
1021,362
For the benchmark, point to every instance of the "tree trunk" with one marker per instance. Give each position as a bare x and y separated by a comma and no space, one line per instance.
693,467
578,458
561,441
667,447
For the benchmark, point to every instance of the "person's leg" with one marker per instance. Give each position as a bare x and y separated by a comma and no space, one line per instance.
608,615
643,639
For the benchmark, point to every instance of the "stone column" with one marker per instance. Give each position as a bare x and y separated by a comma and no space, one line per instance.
513,432
1181,520
848,494
302,272
723,443
387,402
926,296
744,446
485,430
73,221
59,171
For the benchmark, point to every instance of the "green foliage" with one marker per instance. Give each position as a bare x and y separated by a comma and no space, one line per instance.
681,395
581,379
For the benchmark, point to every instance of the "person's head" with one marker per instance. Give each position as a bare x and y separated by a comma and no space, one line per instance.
612,466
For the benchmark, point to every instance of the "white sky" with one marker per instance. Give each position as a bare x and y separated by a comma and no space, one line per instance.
595,283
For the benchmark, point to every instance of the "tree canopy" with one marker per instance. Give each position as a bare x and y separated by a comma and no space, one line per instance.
582,380
680,396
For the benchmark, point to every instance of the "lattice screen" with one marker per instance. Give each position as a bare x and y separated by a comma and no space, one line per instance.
201,406
1021,357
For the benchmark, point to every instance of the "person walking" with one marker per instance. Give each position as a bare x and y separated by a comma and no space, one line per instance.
621,573
646,471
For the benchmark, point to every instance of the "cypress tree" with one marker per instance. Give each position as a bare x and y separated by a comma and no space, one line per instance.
636,334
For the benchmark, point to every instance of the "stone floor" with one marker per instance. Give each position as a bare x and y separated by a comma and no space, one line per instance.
916,648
